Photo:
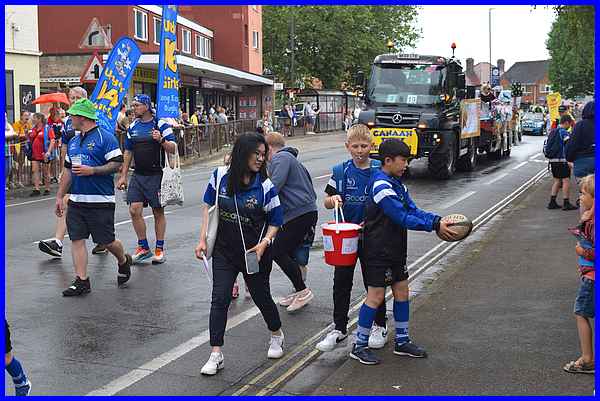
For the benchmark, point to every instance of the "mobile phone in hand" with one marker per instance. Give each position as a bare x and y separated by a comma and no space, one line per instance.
252,266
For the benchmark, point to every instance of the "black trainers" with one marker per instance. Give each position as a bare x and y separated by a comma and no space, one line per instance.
99,250
567,206
35,192
51,248
553,205
79,287
47,192
410,349
124,271
364,355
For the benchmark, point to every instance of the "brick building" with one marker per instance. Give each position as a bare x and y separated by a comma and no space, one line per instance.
208,73
533,75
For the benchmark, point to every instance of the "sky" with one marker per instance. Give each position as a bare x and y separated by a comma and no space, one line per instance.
518,32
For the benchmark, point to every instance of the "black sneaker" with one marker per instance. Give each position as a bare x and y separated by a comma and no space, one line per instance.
553,205
364,355
410,349
124,270
47,192
51,248
99,250
567,206
35,192
79,287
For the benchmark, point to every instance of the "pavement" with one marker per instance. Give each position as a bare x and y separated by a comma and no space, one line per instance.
497,321
151,337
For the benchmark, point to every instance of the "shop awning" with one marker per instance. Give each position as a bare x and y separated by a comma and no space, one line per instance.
206,69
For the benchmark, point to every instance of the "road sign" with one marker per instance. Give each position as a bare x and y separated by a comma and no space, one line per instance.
495,77
95,37
92,70
278,86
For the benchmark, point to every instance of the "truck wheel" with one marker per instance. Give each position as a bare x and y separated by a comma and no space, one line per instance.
497,154
468,161
443,165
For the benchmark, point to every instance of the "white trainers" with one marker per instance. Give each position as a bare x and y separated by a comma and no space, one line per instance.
214,364
302,298
331,340
378,337
275,347
287,301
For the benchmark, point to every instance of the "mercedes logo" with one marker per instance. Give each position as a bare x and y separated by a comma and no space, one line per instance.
397,118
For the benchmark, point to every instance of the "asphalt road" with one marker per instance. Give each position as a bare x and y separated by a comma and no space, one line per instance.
152,337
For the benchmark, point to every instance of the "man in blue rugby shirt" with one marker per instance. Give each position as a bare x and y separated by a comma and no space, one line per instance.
92,158
148,140
389,213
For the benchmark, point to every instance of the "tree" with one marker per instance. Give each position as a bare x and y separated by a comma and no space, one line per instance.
571,46
332,43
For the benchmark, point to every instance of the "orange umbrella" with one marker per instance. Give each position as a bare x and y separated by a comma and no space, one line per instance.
58,97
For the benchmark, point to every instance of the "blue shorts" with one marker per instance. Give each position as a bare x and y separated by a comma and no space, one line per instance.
7,164
584,303
584,166
144,189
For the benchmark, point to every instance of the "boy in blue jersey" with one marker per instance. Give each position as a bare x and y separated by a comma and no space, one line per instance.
92,158
148,141
348,187
389,213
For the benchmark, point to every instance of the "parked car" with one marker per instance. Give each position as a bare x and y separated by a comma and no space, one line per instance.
533,124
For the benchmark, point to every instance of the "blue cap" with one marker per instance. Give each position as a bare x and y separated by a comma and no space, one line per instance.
144,99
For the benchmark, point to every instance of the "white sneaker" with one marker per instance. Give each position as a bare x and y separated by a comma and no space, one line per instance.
302,298
214,364
331,340
378,337
287,301
275,347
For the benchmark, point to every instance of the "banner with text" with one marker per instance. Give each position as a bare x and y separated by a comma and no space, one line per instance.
167,91
114,82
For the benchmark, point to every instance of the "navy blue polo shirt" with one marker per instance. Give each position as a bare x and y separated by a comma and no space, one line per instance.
147,153
94,148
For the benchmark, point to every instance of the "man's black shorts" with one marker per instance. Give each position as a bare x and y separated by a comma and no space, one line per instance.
144,189
99,222
382,275
560,169
8,345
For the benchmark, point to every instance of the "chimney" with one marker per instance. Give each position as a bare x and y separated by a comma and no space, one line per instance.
470,62
500,64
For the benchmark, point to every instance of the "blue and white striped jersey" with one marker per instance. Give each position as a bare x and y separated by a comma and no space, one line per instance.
148,154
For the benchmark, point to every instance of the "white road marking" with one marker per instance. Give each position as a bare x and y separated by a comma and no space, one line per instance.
501,176
462,198
322,176
29,202
532,158
164,359
518,166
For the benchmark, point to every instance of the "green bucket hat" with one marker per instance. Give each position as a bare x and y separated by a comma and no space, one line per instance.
84,108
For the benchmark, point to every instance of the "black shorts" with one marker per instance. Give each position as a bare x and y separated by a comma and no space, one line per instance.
560,169
144,189
8,345
99,222
382,275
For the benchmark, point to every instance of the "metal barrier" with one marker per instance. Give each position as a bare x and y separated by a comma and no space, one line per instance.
19,167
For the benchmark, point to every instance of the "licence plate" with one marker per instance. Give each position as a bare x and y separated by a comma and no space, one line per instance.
408,135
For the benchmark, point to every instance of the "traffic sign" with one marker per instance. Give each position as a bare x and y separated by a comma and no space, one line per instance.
278,86
92,70
95,37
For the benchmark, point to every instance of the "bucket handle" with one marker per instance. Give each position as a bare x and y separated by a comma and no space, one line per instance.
338,209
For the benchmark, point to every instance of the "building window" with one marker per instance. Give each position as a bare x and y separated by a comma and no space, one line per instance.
9,96
255,39
246,35
203,47
186,41
157,30
140,20
198,44
547,88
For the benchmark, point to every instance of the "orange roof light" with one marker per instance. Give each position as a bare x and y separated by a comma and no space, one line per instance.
453,46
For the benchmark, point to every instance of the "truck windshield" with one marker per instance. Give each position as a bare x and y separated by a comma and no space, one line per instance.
412,84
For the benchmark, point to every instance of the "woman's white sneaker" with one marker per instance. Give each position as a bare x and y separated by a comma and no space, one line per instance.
302,298
331,341
287,301
276,346
378,337
214,364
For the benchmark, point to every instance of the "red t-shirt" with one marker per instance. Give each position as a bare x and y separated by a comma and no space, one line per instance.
37,140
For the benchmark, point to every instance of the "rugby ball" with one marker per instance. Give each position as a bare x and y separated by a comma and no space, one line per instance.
458,223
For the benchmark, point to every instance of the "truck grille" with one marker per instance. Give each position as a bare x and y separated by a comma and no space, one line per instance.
384,119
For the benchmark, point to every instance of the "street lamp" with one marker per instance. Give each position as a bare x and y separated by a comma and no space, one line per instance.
490,40
390,45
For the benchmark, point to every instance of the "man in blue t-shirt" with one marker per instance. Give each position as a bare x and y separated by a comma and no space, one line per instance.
148,141
93,156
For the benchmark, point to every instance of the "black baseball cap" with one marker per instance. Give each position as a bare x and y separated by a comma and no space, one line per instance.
562,108
391,148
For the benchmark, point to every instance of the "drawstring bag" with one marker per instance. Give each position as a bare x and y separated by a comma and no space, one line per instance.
213,216
171,186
